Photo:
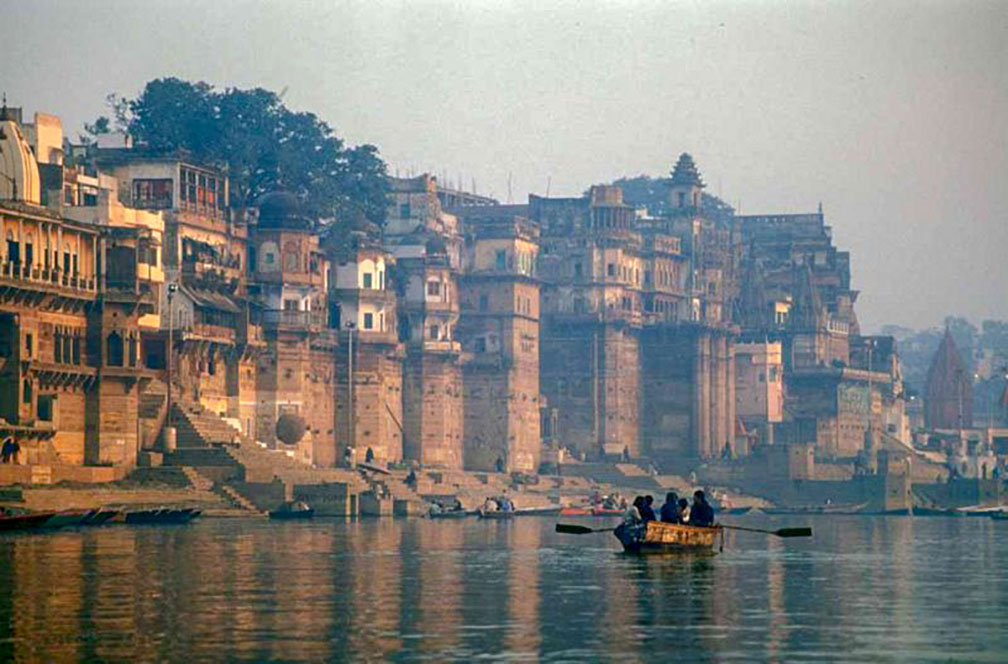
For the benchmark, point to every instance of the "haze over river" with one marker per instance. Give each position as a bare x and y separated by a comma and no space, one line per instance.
863,588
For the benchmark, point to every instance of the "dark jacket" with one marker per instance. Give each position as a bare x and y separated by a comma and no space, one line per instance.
670,513
701,514
647,514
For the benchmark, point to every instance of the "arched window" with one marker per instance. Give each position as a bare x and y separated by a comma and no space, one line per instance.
115,350
26,391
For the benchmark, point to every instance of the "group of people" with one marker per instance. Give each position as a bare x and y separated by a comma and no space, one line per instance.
675,510
501,503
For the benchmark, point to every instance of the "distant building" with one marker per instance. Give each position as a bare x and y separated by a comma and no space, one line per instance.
949,392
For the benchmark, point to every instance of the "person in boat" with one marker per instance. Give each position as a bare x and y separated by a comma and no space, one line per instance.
670,510
647,512
435,508
490,505
633,514
701,514
684,511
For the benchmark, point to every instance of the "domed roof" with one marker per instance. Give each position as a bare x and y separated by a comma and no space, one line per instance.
282,209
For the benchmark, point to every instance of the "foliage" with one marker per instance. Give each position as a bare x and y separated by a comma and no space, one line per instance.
290,428
653,193
264,145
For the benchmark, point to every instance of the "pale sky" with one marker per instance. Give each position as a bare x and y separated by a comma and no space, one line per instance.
893,114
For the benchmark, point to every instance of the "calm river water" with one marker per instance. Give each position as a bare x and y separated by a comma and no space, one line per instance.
862,589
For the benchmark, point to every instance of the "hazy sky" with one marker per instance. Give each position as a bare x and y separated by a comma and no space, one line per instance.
894,115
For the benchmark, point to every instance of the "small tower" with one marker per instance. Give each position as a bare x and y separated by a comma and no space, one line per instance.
687,186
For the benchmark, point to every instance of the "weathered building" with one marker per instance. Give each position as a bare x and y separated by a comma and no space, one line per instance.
499,328
948,403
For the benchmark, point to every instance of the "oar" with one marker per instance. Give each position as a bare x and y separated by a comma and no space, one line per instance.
580,530
783,532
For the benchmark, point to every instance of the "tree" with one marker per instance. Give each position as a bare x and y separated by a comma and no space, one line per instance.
263,144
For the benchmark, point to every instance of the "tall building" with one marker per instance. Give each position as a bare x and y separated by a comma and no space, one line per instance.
948,403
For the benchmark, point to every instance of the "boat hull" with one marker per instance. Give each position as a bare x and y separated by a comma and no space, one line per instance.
658,537
452,514
498,514
24,521
292,514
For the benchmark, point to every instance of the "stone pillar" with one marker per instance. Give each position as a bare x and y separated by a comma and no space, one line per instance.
719,409
730,393
702,418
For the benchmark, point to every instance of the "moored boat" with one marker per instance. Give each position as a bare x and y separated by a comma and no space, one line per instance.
590,511
736,510
999,516
101,516
658,537
161,516
24,521
296,510
452,514
68,518
496,514
539,511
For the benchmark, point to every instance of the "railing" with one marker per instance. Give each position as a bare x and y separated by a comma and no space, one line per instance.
293,319
35,274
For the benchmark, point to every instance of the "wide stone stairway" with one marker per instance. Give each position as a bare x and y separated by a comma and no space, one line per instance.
198,427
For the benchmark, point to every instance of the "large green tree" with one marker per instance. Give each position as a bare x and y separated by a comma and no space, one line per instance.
264,145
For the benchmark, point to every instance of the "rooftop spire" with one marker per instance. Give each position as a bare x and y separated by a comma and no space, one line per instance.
685,172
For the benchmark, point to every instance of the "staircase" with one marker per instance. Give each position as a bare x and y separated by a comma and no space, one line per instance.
231,495
198,427
197,480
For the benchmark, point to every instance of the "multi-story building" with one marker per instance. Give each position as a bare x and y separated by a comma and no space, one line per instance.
499,326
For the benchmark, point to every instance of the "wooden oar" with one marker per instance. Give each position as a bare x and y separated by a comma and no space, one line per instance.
783,532
580,530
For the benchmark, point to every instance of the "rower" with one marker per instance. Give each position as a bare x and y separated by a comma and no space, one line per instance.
647,512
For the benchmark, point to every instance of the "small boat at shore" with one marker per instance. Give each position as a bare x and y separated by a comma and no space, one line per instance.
496,514
658,537
161,516
24,521
817,509
295,510
452,514
736,510
68,518
999,516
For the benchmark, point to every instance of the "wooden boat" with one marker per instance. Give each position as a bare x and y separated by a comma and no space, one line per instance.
296,510
658,537
452,514
936,511
24,521
736,510
999,516
101,517
161,516
496,514
539,511
817,509
68,518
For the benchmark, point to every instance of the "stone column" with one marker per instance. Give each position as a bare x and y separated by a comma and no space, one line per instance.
702,419
730,393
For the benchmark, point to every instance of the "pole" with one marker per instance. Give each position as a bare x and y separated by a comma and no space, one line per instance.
350,418
168,353
868,434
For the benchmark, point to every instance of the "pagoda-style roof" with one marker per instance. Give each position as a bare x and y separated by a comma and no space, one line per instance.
685,172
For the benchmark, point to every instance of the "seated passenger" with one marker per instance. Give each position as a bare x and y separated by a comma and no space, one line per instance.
647,513
670,510
701,514
633,513
684,512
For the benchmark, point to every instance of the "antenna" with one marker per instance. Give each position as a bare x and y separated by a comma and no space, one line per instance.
549,181
510,200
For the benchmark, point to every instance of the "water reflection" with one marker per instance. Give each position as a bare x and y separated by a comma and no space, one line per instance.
444,590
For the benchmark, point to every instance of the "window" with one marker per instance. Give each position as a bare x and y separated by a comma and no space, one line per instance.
13,249
433,288
115,350
291,305
682,199
611,269
269,258
58,346
484,303
480,345
132,355
367,280
368,321
577,270
26,392
434,332
404,211
75,347
381,321
28,345
45,407
501,259
153,194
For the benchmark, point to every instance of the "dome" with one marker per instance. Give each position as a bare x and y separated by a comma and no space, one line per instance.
282,209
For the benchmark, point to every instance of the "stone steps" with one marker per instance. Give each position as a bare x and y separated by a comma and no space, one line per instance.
197,427
230,494
196,479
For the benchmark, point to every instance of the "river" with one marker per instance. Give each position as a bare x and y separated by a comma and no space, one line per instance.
861,589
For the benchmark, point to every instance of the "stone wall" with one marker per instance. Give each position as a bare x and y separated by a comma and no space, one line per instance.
432,408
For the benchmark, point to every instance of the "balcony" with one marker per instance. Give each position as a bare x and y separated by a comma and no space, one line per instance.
23,275
208,332
308,321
